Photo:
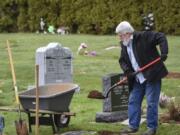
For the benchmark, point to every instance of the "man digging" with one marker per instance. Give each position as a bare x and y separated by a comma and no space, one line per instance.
138,49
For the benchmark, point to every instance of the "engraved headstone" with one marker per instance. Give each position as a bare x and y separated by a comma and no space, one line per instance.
118,97
116,105
55,64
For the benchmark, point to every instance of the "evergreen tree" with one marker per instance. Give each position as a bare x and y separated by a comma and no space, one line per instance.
8,15
22,22
85,16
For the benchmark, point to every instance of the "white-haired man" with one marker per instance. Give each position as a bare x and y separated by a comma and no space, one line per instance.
137,50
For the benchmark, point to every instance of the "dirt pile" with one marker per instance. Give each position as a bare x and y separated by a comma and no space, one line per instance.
108,133
95,94
174,75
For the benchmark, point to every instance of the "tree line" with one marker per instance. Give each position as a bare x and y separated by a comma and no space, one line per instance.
88,16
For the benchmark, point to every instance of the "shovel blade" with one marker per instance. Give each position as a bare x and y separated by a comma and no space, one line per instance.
21,127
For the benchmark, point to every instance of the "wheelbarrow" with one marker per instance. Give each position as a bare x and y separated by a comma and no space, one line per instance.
54,101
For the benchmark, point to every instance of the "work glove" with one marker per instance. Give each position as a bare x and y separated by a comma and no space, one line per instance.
163,57
130,75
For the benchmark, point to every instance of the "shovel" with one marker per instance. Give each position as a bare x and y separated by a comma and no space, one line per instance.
97,95
21,126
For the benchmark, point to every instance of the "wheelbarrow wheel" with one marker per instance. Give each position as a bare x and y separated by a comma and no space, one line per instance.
61,120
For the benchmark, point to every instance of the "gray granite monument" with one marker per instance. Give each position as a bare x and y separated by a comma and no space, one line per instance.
55,64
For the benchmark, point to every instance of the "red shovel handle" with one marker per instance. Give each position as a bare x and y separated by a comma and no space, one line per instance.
149,64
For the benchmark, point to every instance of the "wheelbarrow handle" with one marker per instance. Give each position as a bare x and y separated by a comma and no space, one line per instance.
135,73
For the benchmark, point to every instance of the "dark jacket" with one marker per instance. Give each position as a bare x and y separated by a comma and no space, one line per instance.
146,50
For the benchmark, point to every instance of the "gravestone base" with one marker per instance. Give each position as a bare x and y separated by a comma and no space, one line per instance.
111,116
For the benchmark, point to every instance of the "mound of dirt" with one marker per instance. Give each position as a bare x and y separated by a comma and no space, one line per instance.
174,75
95,94
107,133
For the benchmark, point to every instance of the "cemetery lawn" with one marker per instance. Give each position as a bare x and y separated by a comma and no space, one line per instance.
87,73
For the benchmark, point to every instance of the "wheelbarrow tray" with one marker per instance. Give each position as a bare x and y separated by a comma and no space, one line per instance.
52,97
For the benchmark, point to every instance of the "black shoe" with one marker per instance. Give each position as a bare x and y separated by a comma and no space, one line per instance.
149,132
128,131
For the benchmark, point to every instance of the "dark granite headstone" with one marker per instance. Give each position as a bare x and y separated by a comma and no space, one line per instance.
116,105
118,97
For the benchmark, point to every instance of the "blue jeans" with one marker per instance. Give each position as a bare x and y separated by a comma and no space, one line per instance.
152,91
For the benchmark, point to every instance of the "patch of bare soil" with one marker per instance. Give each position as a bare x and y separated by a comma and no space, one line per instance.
174,75
108,133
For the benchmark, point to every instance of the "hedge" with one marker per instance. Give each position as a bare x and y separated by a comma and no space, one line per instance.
86,16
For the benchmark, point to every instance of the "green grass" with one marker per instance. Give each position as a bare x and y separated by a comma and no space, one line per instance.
88,73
